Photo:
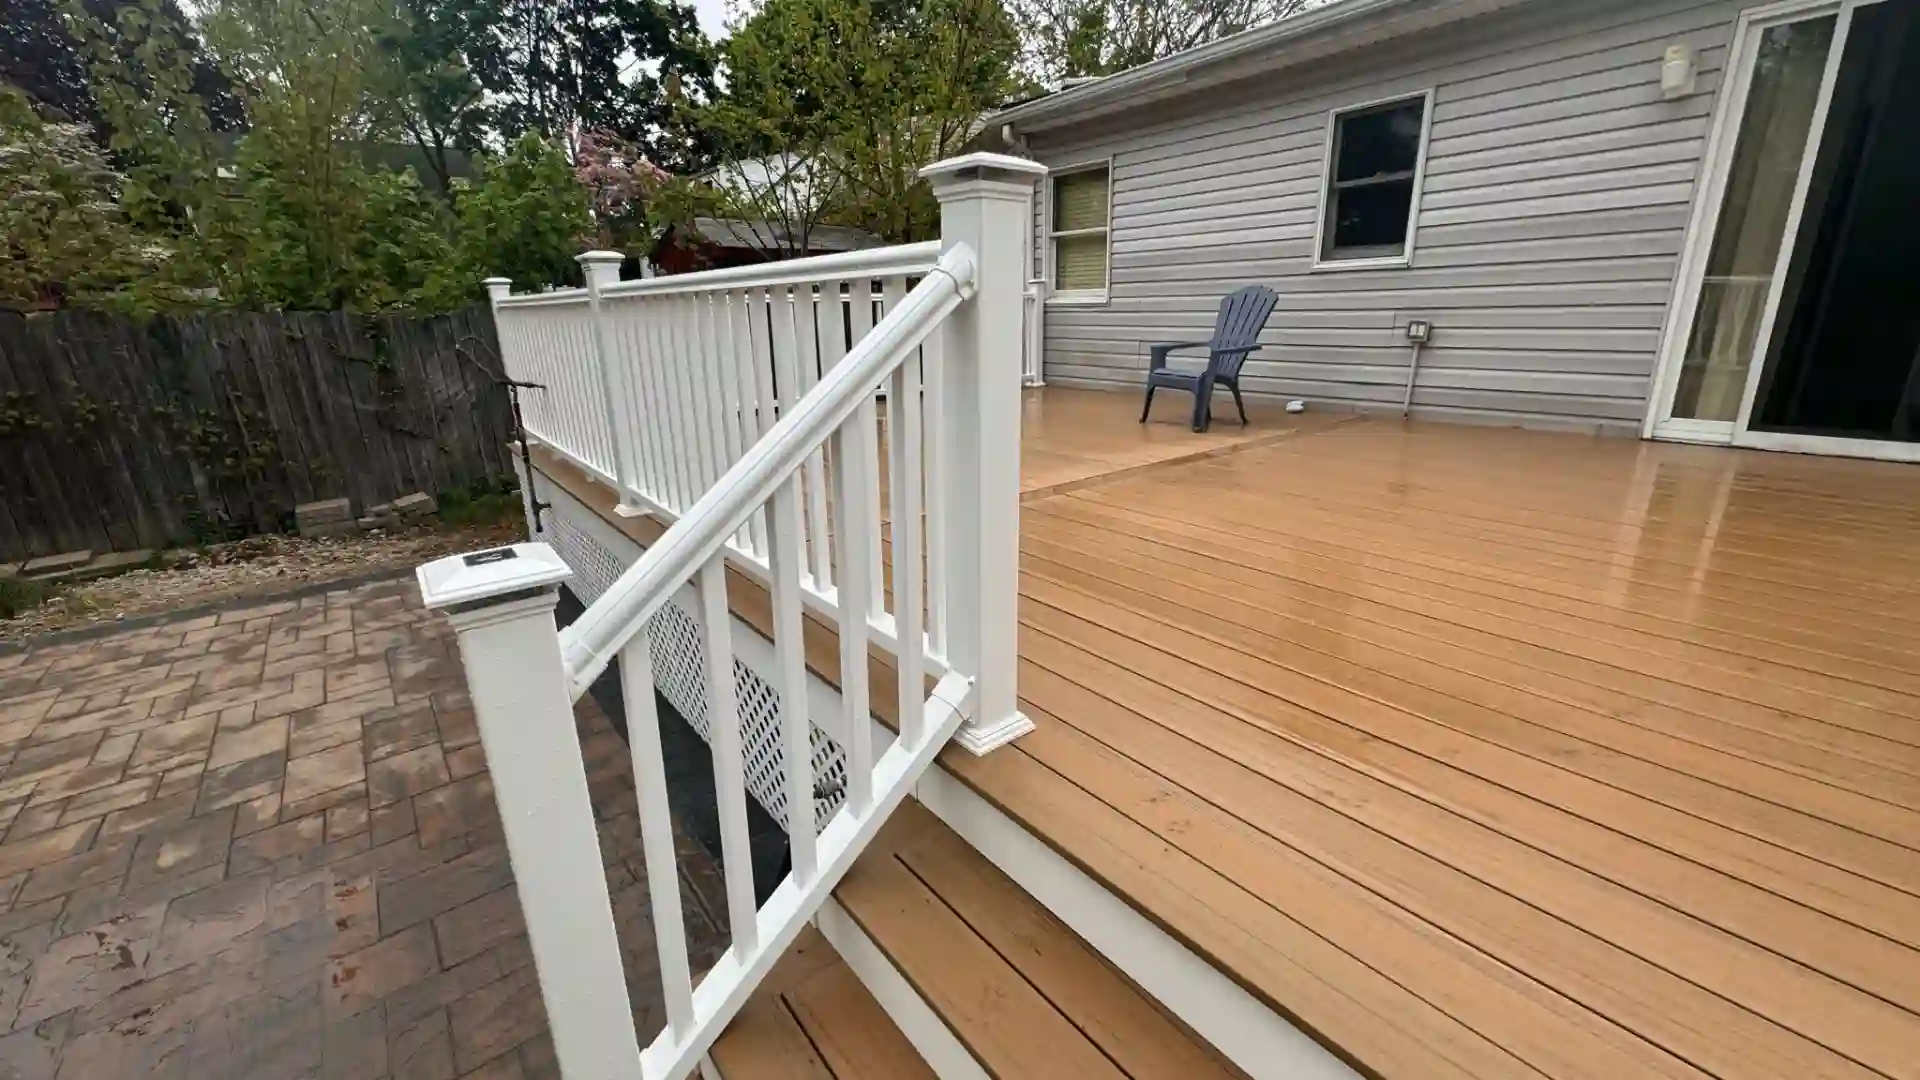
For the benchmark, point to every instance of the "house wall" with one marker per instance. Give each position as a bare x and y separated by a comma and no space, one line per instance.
1550,224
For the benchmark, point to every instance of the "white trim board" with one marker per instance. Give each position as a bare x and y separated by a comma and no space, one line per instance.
1219,1010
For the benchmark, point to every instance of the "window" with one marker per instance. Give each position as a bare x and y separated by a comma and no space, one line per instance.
1078,227
1373,178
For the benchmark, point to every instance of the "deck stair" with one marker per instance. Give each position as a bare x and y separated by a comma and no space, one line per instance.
995,984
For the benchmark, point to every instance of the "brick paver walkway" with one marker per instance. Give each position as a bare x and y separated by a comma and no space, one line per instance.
263,843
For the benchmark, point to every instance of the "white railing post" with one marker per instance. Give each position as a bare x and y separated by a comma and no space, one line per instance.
498,289
985,204
500,603
601,269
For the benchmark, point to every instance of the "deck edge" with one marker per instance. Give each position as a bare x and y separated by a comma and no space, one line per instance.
1217,1009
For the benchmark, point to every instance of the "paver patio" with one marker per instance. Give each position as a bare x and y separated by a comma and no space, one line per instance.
263,843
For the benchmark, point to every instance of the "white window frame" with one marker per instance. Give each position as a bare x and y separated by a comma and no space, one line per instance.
1405,258
1077,297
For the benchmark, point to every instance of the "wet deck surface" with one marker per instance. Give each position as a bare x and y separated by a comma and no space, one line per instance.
1495,753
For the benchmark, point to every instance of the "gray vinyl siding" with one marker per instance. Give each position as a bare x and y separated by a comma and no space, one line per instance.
1553,210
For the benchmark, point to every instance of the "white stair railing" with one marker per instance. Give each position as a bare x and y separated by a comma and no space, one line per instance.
799,505
693,369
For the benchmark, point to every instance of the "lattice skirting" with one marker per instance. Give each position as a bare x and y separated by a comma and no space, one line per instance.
598,555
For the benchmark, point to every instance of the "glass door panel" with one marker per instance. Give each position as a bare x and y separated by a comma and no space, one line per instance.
1769,150
1845,357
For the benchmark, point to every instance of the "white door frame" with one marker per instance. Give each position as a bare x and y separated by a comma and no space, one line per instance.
1737,80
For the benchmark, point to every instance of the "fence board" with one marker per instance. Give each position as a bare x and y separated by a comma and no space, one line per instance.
177,429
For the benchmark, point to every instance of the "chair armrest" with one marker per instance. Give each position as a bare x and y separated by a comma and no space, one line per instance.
1158,353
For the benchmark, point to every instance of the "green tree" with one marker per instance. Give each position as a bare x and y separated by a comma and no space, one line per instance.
162,133
1066,38
625,66
40,56
842,102
62,236
524,218
427,84
292,214
304,72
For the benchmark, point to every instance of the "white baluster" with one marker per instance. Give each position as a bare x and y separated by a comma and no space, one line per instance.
729,761
707,381
819,528
693,392
646,398
726,377
656,830
903,439
760,329
933,381
787,384
860,308
833,325
755,413
686,482
787,543
728,392
892,290
853,451
602,269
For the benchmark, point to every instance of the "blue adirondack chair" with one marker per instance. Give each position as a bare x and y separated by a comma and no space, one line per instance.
1235,334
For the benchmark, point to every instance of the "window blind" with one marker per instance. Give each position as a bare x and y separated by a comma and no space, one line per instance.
1080,201
1080,262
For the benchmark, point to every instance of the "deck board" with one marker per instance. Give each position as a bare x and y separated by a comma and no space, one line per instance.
1482,752
1635,723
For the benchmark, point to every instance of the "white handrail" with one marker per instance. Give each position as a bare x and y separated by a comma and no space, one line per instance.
868,262
740,407
592,642
543,299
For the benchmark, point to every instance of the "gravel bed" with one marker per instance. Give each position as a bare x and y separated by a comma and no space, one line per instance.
257,567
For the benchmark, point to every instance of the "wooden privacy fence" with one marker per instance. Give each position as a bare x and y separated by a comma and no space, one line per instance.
120,433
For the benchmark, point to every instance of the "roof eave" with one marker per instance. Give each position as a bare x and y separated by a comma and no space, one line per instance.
1168,77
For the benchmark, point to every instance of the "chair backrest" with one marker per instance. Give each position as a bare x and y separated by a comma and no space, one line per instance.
1243,314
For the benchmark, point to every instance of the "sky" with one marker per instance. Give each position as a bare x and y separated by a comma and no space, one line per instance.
713,17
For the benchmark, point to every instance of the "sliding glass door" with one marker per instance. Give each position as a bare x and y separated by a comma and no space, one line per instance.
1760,349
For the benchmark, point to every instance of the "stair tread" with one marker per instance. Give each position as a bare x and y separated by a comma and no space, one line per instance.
1022,992
813,1020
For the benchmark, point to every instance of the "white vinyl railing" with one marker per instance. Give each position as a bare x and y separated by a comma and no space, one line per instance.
547,339
741,406
692,370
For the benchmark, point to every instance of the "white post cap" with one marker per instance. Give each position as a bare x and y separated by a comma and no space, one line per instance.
498,288
985,166
602,268
484,575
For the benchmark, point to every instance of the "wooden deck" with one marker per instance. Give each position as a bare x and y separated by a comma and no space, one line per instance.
1489,753
1483,753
